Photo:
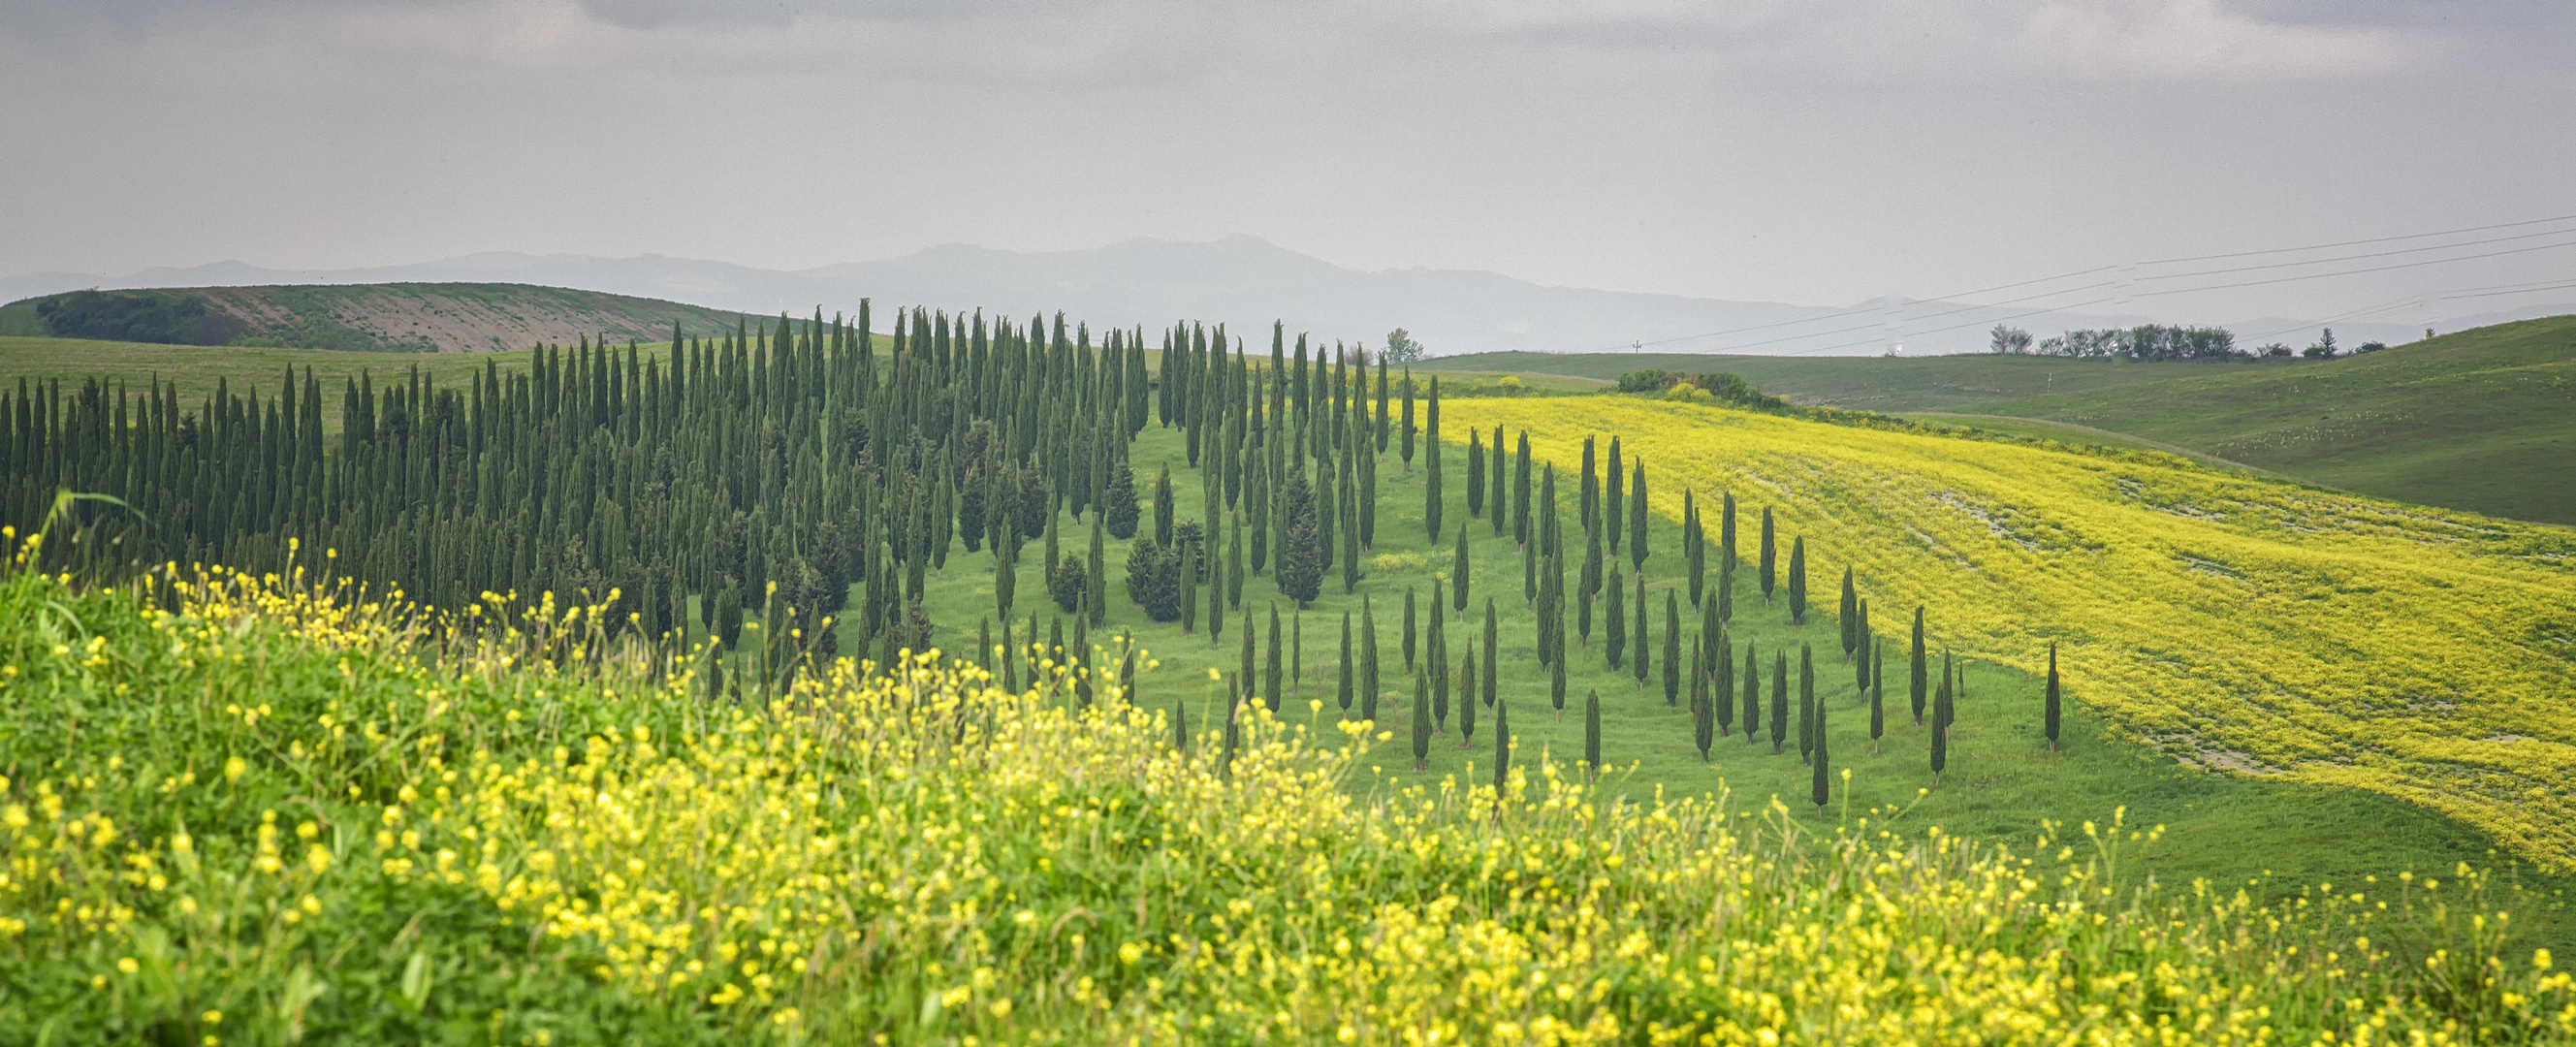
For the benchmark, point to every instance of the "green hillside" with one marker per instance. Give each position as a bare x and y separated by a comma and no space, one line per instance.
2482,420
379,318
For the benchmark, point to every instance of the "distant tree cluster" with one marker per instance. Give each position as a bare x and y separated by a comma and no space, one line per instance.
2145,342
1721,385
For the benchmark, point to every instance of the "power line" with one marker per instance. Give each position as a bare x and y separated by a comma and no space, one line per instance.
2350,272
2357,257
2357,243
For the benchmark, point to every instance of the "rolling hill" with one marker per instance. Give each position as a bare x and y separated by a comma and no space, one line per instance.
380,318
2482,419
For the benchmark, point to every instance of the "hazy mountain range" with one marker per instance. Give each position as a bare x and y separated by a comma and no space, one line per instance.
1246,282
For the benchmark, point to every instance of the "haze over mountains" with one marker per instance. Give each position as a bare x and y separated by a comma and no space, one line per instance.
1246,282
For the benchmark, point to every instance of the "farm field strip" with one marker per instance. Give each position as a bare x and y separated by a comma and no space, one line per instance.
2234,622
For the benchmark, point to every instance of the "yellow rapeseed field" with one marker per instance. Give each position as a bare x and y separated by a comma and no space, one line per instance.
2241,624
268,816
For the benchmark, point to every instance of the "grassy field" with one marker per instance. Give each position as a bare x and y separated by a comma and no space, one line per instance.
199,368
2002,783
2483,420
257,817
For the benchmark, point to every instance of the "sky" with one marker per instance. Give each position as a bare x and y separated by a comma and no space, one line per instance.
1818,152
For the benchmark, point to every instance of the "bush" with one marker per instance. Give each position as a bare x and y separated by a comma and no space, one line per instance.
1154,579
1118,502
1649,380
1067,584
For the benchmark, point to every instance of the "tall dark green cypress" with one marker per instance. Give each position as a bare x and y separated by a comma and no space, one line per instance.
1270,677
1614,612
1637,549
1475,472
1921,678
1342,690
1752,693
1433,498
1941,724
1405,440
1421,721
1369,678
1861,643
1521,490
1694,547
1243,679
1096,582
1467,695
1798,580
1850,616
1492,635
1770,557
1163,521
1458,575
1411,628
2049,712
1496,485
1502,755
1614,508
1779,701
1592,735
1721,691
1556,686
1703,712
1806,701
1180,728
1820,788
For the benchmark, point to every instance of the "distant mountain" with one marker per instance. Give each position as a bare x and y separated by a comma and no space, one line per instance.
385,317
1245,283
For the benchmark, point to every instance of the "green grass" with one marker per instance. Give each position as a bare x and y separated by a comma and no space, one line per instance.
2001,784
2482,420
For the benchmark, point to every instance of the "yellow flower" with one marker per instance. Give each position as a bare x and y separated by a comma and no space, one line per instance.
127,965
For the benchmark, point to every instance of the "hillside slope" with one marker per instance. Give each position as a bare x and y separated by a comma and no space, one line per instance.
2237,623
406,317
2481,420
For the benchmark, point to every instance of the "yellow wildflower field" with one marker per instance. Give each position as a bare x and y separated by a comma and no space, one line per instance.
2239,623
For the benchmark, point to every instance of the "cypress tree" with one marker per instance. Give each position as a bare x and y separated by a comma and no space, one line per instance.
1637,549
1862,642
1384,398
1011,658
1233,734
1806,700
1726,591
1592,735
1694,547
1467,695
1521,490
1180,729
1189,585
2049,712
1243,678
1270,678
1589,586
1770,557
1821,788
1849,616
1673,648
1495,486
1432,499
1643,643
1475,472
1590,483
1217,584
1721,691
1502,755
1490,677
1529,572
1118,500
1556,687
1922,672
1941,724
1342,690
1096,582
1703,712
1458,576
1615,501
1409,627
1779,701
1163,521
1798,580
1296,649
1439,666
1300,571
1369,685
1752,694
984,644
1614,611
1405,441
1421,721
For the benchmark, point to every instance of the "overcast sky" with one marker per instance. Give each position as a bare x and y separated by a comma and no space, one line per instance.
1790,150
